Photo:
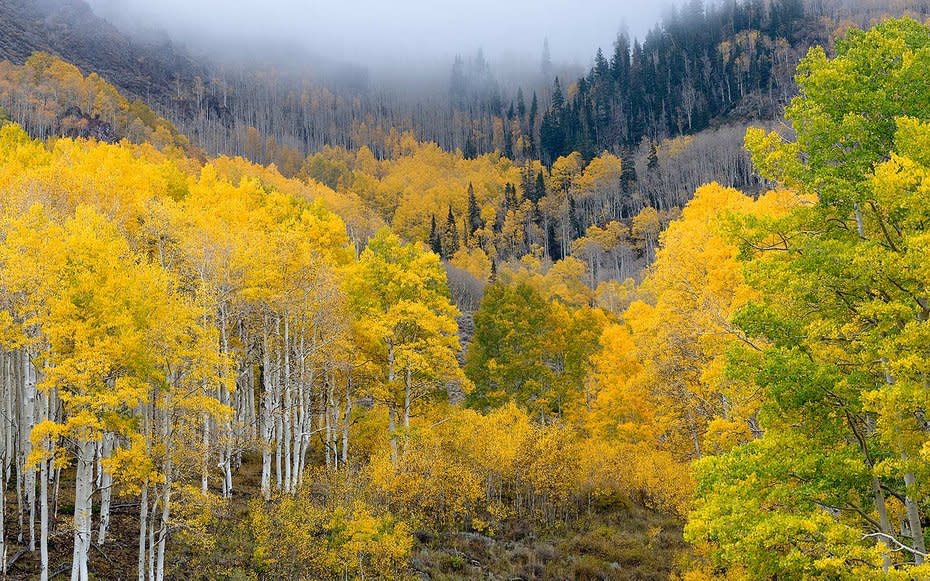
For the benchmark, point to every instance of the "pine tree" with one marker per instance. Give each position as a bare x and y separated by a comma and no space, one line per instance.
553,248
546,61
576,228
539,192
527,183
450,236
510,196
435,243
471,150
558,99
474,213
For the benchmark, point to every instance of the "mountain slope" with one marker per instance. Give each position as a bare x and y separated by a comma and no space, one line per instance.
71,30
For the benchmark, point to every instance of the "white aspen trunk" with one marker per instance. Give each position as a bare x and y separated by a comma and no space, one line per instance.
309,379
346,419
300,418
43,521
306,423
227,449
28,422
884,523
266,419
227,468
913,516
43,501
408,388
19,496
4,469
166,493
205,443
55,495
253,407
83,496
286,412
226,441
205,461
327,424
163,530
392,413
144,500
910,482
106,487
98,464
143,525
333,420
252,410
300,410
151,532
277,426
7,427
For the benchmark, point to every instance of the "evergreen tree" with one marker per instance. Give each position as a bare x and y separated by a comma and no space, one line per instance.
552,135
546,61
558,99
474,213
450,236
527,183
435,243
511,195
471,150
553,248
539,188
576,229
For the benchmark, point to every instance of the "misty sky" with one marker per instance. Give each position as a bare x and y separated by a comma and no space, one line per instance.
388,32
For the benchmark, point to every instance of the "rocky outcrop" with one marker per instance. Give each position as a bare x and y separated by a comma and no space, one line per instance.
75,123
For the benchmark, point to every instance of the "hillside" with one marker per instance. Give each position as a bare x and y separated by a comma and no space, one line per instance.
727,64
69,29
461,338
709,71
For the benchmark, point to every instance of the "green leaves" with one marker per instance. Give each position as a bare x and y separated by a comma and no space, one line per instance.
841,321
508,356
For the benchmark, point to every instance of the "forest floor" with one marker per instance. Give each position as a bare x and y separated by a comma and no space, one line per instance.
618,541
624,543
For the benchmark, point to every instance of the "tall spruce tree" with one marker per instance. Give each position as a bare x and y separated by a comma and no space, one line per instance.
473,218
450,236
435,242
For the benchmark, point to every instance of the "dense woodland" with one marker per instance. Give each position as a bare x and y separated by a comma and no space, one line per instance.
725,64
404,361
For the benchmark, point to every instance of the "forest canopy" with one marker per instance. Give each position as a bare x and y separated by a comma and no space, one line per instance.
459,364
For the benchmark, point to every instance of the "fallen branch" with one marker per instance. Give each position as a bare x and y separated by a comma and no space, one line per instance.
63,568
15,558
100,550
